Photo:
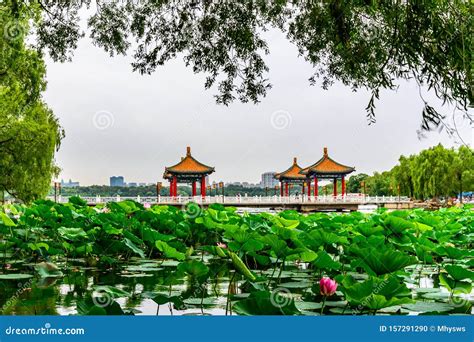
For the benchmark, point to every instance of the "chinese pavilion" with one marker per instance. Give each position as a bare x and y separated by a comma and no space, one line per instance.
188,170
291,176
326,168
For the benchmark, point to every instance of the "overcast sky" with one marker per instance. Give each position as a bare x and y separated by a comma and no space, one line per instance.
122,123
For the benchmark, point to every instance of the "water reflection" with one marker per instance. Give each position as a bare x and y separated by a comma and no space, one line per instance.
63,296
154,288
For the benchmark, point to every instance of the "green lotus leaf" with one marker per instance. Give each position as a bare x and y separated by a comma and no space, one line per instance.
15,276
6,220
72,234
168,251
200,301
368,229
194,268
134,248
384,260
377,302
459,273
296,285
282,222
428,307
397,225
325,261
303,306
453,285
452,252
112,291
266,303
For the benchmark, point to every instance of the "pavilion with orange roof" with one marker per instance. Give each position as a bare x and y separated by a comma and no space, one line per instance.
327,168
188,170
291,176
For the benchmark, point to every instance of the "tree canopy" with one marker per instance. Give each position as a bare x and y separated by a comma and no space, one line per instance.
29,131
365,44
434,172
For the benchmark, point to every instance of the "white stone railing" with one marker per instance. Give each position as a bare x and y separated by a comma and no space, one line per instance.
240,200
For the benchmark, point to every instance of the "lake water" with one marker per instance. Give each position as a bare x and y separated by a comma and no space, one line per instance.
142,281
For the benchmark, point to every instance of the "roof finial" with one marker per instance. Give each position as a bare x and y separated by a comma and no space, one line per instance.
294,161
188,151
325,151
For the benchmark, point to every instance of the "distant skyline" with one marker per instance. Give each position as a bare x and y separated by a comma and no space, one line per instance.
121,123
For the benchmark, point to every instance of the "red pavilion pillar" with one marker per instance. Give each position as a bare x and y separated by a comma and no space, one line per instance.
316,186
335,187
343,186
203,186
194,188
281,189
171,186
175,190
286,189
302,189
309,188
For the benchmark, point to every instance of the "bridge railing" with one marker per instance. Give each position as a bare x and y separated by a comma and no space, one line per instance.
239,200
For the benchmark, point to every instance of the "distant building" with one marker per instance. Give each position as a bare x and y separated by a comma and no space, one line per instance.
234,183
132,185
142,184
244,184
268,180
69,184
117,181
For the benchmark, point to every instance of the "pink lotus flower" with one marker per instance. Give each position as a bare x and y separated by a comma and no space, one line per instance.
221,245
327,286
147,205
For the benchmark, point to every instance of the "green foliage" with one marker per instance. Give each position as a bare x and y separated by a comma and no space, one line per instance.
169,251
29,132
273,258
262,303
354,184
434,172
363,44
382,261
